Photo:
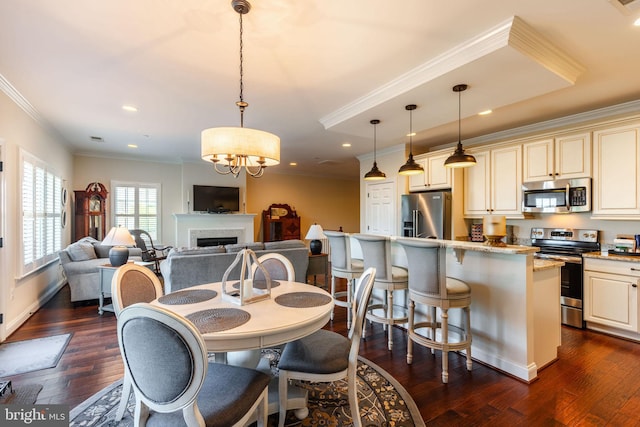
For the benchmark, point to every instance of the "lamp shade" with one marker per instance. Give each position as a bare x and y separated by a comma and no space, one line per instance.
314,234
118,238
255,145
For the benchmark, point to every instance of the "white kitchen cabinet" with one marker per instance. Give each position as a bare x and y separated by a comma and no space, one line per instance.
494,185
435,176
563,157
616,172
611,296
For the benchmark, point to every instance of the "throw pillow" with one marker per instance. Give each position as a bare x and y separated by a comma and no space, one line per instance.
237,247
102,251
81,251
284,244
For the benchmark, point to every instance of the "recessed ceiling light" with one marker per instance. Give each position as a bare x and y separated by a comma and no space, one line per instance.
411,134
293,164
346,145
637,22
129,108
132,146
485,112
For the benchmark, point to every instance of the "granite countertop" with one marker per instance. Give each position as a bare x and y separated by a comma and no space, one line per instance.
480,247
546,264
612,256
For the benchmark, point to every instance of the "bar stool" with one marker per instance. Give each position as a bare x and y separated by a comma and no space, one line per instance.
343,266
376,251
430,286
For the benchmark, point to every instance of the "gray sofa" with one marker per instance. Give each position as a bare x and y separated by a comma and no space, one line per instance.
80,261
185,267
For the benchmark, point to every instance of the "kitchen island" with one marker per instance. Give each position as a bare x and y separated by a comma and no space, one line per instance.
515,309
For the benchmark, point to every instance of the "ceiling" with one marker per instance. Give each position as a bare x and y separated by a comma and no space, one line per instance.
315,71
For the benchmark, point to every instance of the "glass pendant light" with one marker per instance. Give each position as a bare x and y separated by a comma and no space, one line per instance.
459,159
411,167
374,174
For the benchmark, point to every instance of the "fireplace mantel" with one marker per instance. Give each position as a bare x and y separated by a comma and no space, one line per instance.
191,226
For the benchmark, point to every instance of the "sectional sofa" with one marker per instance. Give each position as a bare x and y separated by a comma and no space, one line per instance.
185,267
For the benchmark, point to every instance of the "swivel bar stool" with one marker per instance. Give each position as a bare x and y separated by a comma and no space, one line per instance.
343,266
429,286
376,251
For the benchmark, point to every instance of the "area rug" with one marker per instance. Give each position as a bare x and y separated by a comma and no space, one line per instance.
383,402
21,395
31,355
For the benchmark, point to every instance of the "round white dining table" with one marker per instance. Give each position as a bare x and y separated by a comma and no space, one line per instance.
294,310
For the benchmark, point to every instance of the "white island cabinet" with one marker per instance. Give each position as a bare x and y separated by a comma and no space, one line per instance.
515,303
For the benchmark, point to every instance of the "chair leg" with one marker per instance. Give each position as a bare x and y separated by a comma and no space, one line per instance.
467,313
353,398
412,307
283,386
124,398
333,292
445,345
434,326
390,318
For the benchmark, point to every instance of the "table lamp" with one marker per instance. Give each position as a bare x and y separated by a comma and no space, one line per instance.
118,238
314,234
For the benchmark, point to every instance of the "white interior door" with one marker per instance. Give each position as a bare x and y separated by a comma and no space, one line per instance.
381,202
3,286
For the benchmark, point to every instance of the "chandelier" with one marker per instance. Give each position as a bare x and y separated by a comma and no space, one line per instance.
232,148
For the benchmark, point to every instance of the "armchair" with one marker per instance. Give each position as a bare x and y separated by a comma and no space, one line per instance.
150,252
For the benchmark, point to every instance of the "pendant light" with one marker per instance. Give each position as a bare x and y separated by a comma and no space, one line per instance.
239,146
459,159
411,167
374,174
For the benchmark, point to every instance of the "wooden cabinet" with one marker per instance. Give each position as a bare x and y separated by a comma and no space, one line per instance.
90,212
435,176
616,172
280,222
611,295
563,157
494,185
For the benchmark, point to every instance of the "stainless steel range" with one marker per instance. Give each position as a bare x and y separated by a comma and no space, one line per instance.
567,245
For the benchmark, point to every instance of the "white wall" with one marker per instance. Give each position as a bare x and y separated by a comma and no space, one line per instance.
21,296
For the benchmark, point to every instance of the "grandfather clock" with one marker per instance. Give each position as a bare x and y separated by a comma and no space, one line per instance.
90,212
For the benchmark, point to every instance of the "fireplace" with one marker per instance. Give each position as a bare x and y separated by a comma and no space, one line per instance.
191,227
215,241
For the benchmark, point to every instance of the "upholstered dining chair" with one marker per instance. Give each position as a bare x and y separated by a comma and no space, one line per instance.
132,283
174,384
345,267
277,265
429,286
376,251
326,356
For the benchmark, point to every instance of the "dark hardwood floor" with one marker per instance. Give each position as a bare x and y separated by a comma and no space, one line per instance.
595,382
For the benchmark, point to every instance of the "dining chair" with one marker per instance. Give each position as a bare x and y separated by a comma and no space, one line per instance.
131,284
326,356
430,287
376,251
343,266
150,252
174,384
277,265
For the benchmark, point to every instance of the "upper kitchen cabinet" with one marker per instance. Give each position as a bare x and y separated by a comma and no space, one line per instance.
435,176
494,185
616,172
563,157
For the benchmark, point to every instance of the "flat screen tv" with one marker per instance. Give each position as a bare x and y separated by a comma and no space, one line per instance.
214,199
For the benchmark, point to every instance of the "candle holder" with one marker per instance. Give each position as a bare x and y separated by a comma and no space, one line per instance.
495,228
246,292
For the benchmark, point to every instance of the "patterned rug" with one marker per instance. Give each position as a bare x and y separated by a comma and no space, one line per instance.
383,402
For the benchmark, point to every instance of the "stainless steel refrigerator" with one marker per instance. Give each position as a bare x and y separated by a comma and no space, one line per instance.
427,215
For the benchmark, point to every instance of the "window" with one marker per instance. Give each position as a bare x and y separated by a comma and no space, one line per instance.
41,213
137,206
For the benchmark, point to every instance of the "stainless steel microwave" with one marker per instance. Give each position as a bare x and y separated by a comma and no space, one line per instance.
558,196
